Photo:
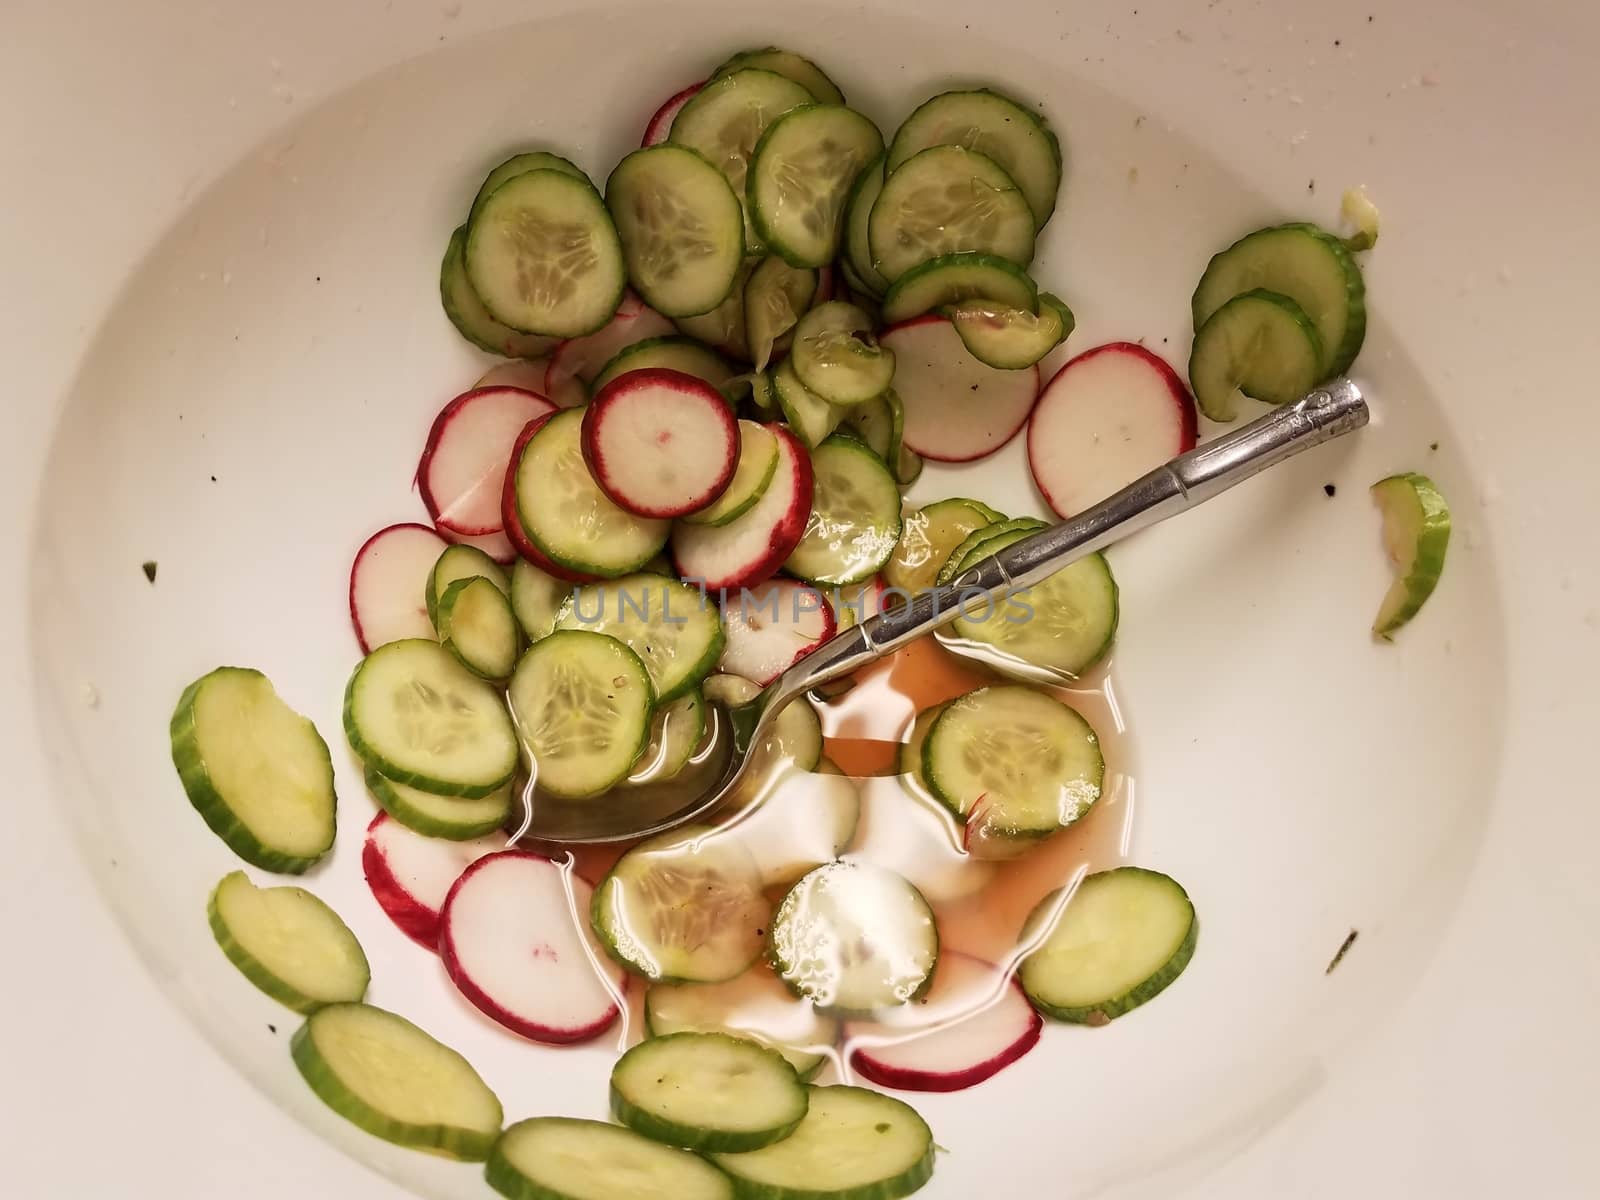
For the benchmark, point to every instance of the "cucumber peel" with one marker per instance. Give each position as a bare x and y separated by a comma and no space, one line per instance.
1416,534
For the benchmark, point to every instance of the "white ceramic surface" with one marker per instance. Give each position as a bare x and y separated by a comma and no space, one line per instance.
224,245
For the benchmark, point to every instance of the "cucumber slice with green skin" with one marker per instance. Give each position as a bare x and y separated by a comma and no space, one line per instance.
457,563
521,164
811,417
256,771
764,397
1122,938
448,817
801,174
543,255
676,731
788,64
908,466
561,1158
1009,339
568,516
1307,264
854,1144
775,297
673,628
796,735
754,1006
386,1076
681,354
908,759
858,260
684,907
946,200
1416,534
582,703
1012,763
927,537
758,463
1013,136
707,1091
471,318
879,423
851,937
288,943
536,598
476,625
723,327
953,278
951,566
1259,345
681,226
855,515
836,356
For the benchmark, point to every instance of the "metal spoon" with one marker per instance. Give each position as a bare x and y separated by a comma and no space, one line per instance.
1331,411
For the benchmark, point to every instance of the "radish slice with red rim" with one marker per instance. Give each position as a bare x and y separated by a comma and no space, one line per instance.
463,464
660,443
956,408
410,874
773,626
659,128
974,1022
517,536
1107,417
578,360
389,584
512,940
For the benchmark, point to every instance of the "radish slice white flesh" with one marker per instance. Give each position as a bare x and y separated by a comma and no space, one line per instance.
1107,417
974,1022
956,408
410,875
518,539
389,583
773,626
578,360
511,942
524,373
463,466
660,443
660,126
749,549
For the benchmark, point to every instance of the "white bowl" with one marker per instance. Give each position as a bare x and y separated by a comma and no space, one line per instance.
248,348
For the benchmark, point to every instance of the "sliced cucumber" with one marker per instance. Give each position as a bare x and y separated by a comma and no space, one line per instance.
952,566
723,327
953,278
764,397
536,598
582,703
908,760
774,299
543,255
810,416
684,907
471,318
1260,345
854,1144
855,515
1121,939
1013,762
521,164
908,466
754,1006
796,736
800,175
852,937
681,226
416,715
560,1158
758,463
788,64
567,515
858,260
677,730
879,423
288,943
943,201
257,771
1304,263
383,1074
448,817
836,356
681,354
461,562
707,1091
476,625
1416,534
673,628
927,537
1009,339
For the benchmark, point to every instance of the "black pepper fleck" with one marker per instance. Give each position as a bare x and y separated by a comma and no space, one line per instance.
149,570
272,1028
1328,489
1433,445
1336,41
1311,185
213,479
1344,948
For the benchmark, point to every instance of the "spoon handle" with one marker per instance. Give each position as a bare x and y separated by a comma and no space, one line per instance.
1332,410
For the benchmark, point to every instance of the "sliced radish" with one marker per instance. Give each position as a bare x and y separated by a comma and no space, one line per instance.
956,408
974,1021
773,626
578,360
524,373
389,583
1107,417
463,466
660,126
410,875
660,443
825,285
749,549
517,536
512,944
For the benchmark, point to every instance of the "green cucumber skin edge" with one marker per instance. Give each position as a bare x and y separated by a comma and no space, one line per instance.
775,242
252,969
848,441
420,822
602,931
214,810
806,1076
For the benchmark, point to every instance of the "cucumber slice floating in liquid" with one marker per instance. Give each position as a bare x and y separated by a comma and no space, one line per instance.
953,278
677,730
561,1158
448,817
855,515
1416,534
672,627
288,943
836,356
755,1006
927,537
476,625
800,176
1260,345
943,201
